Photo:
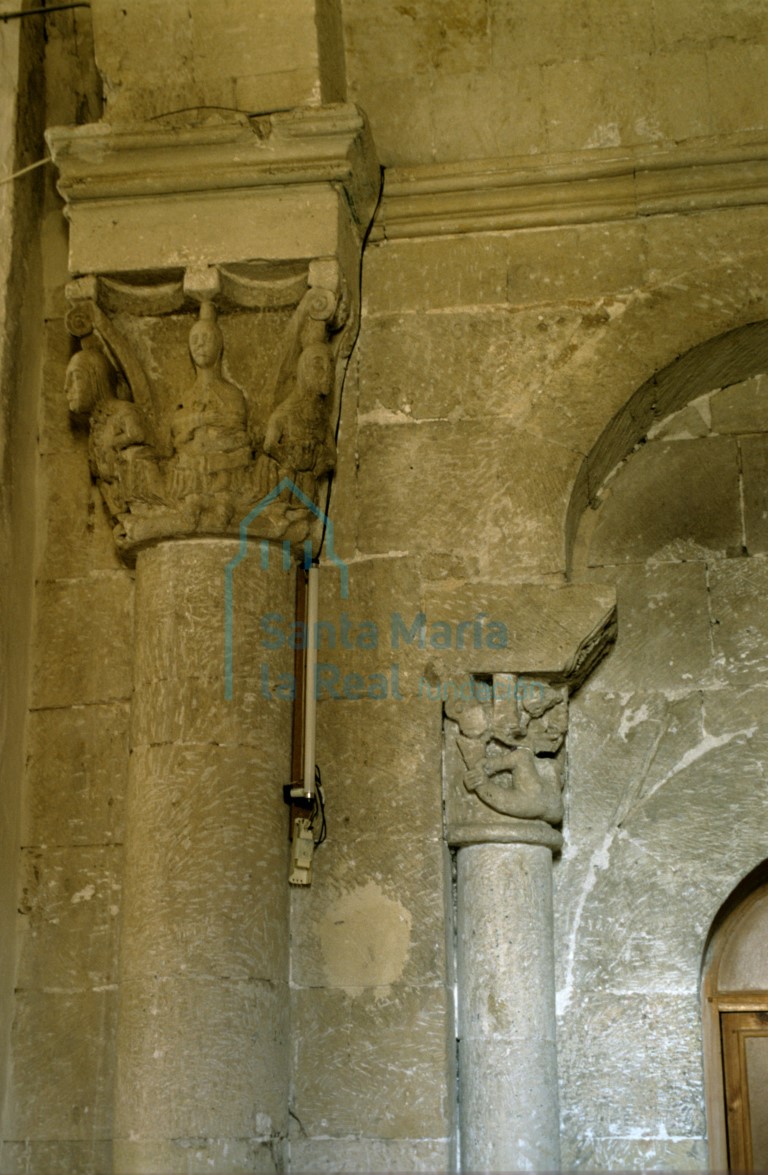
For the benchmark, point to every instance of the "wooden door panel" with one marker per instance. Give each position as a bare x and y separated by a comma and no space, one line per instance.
745,1074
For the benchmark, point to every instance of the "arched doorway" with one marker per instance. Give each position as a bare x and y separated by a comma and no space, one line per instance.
735,995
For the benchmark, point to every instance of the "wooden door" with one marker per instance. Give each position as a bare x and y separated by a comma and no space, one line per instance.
745,1074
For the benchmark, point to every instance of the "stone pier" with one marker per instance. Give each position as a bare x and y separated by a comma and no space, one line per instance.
202,1057
214,304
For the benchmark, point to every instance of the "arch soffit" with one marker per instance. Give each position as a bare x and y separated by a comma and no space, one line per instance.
665,346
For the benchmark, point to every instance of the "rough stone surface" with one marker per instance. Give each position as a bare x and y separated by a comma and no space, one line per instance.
56,1157
69,901
516,514
738,635
274,61
566,273
570,87
633,1154
378,1154
380,1056
376,915
204,939
666,657
88,747
408,362
84,640
698,505
754,466
196,1155
20,348
619,1092
665,803
66,1034
507,1057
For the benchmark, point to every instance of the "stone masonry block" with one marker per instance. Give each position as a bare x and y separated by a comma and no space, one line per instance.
377,914
408,362
234,1088
69,906
754,468
502,495
83,640
77,534
740,636
63,1046
322,1156
649,656
676,498
207,864
379,1056
78,769
644,1067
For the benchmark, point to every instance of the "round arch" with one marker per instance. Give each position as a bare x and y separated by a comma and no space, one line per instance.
647,356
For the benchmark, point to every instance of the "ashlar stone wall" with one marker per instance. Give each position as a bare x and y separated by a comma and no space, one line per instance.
666,806
20,330
485,404
467,79
490,370
65,752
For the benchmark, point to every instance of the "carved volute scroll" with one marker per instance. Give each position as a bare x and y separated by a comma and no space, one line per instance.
181,442
505,741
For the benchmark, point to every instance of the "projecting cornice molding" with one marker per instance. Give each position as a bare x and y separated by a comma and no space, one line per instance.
276,186
309,145
493,195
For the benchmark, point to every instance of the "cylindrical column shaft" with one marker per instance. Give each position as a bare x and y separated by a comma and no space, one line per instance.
202,1065
508,1098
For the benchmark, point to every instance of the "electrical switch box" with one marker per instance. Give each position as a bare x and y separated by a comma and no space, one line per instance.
302,850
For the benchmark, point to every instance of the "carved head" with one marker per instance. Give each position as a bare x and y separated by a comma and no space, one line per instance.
548,710
206,341
88,380
314,369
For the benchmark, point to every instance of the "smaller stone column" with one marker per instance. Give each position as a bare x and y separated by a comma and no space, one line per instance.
508,1099
503,795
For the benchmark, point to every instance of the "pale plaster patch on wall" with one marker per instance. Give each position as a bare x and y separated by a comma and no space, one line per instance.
632,718
83,895
365,938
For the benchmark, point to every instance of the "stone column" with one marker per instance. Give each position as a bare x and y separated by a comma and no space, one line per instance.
508,1097
202,1050
210,424
504,749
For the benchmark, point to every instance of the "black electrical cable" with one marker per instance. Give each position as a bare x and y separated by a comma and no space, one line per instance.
6,16
319,809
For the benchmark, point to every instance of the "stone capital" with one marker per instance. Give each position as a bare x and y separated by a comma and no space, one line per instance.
505,732
215,301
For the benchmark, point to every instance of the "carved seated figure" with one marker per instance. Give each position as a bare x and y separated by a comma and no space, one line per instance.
124,465
299,436
532,794
209,432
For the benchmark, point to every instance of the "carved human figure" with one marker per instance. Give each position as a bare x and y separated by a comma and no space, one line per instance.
510,751
120,458
209,431
299,436
88,381
531,794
